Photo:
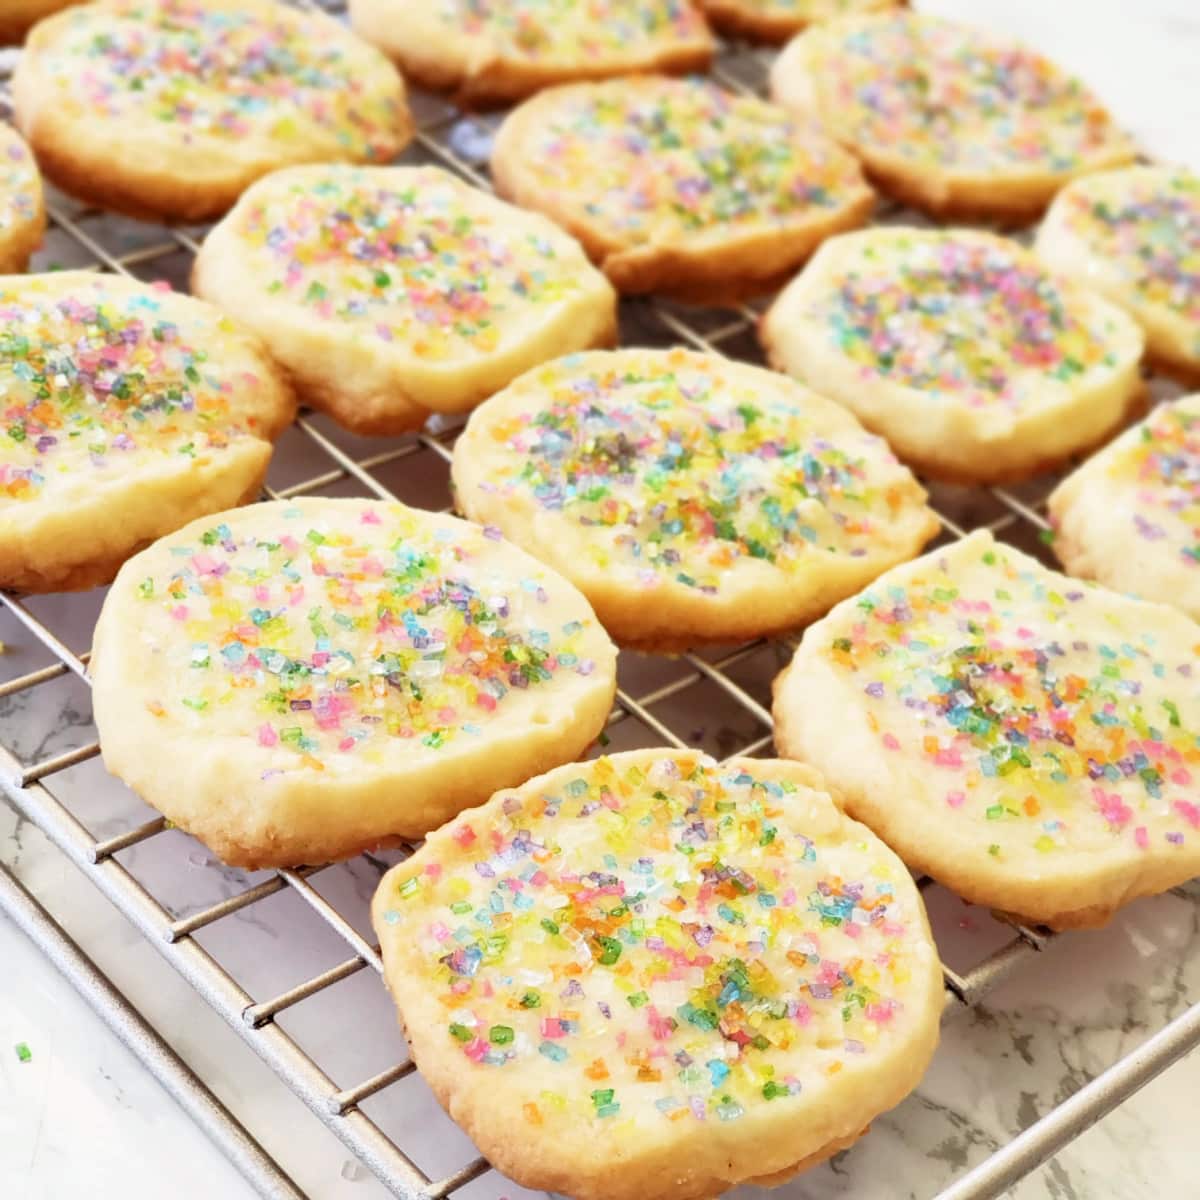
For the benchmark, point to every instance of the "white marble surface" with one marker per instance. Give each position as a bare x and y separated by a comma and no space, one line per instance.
84,1118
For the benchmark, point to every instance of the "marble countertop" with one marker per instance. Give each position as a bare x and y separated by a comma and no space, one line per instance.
83,1117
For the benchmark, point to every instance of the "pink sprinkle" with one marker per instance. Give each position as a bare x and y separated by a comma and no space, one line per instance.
464,835
371,517
1141,837
446,714
180,612
955,799
262,594
320,658
289,543
204,564
803,1014
890,742
1189,812
850,929
948,758
552,1028
439,931
267,736
347,743
879,1012
1181,776
486,702
1114,809
476,1050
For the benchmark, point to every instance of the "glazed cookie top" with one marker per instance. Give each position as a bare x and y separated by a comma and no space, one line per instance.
648,943
1155,469
1044,716
327,635
233,72
20,183
956,314
656,159
948,95
673,469
407,257
1142,223
102,377
569,32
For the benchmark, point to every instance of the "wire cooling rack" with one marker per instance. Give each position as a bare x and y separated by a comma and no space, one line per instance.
659,701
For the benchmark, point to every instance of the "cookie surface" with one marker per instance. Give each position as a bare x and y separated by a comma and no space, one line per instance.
22,210
128,410
1129,517
337,672
499,51
950,118
778,20
1024,738
691,498
678,185
1134,235
171,108
960,348
391,292
650,977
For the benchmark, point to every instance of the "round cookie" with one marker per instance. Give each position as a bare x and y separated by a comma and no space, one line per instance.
391,292
17,17
171,108
126,411
1026,739
960,347
947,117
678,185
1130,516
691,498
653,976
1134,236
298,681
22,210
499,51
778,20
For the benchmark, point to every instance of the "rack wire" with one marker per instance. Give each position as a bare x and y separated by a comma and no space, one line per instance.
458,143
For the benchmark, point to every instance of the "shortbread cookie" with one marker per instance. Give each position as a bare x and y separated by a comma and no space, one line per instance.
127,411
499,51
22,211
948,117
1026,739
1130,516
298,681
653,976
17,17
691,498
1134,235
679,186
171,108
390,292
960,348
778,20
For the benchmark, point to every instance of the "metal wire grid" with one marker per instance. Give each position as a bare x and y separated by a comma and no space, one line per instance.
30,788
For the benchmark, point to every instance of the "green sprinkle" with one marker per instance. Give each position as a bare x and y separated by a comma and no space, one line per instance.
461,1032
146,589
638,999
549,926
610,951
531,1000
994,850
500,1035
23,1052
409,886
771,1089
1046,536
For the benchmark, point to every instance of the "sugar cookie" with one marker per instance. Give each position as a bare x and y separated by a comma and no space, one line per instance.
171,108
125,411
298,681
950,118
389,292
690,498
17,17
1130,516
960,348
1134,235
653,976
1026,739
678,185
499,51
778,20
22,211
